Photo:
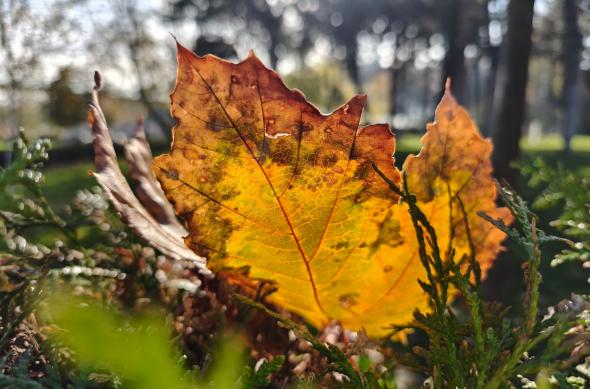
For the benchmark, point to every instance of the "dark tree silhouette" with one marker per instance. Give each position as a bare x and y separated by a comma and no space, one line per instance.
460,23
216,46
252,16
509,100
572,48
454,63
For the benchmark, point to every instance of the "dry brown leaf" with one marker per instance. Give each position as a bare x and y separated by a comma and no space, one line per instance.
132,212
139,160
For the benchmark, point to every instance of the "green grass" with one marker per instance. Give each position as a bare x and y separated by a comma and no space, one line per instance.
408,143
549,143
549,148
555,142
62,181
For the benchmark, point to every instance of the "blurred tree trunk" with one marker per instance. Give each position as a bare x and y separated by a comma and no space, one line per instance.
395,70
488,80
275,41
503,282
476,91
572,47
426,98
494,53
351,62
454,62
510,97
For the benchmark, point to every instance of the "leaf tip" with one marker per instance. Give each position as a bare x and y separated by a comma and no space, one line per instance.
448,94
361,99
97,80
448,85
355,105
139,131
182,50
447,100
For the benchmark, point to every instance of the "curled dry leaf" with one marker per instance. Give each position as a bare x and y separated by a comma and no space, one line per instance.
265,181
138,155
165,237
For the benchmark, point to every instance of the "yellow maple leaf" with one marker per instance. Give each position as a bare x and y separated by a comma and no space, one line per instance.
265,181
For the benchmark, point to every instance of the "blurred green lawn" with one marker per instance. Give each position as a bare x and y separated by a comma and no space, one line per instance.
549,148
62,181
548,143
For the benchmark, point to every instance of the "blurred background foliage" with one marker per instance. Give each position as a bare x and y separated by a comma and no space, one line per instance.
521,67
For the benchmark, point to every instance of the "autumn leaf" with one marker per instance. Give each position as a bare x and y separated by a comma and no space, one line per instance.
455,163
263,180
